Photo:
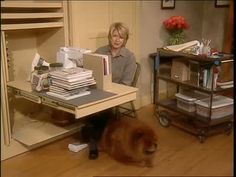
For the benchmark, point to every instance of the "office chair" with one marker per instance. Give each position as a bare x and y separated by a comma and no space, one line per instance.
124,110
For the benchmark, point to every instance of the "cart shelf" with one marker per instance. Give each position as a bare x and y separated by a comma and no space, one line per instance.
190,85
172,105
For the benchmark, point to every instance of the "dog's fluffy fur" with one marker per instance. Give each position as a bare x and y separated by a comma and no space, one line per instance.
129,141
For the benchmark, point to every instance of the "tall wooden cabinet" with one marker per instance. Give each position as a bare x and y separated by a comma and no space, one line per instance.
27,28
229,41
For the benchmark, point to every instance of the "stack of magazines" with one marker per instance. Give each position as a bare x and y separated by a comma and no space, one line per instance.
70,83
227,84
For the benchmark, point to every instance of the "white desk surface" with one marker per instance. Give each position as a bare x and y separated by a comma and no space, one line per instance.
123,94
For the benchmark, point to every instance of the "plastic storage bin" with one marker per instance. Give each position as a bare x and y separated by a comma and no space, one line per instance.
221,106
185,102
186,99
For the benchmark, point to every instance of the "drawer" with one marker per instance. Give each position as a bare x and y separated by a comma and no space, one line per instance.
28,95
58,104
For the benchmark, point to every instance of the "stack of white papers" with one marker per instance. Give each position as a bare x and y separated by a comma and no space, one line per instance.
228,84
71,57
183,46
71,83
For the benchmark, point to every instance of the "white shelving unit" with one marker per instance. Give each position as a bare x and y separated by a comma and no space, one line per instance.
28,27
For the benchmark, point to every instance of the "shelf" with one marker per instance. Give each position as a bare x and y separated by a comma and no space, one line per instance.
37,128
198,128
190,85
186,56
31,26
31,15
8,16
171,104
25,4
21,85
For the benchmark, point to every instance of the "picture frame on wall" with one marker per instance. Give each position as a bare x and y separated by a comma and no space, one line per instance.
167,4
221,3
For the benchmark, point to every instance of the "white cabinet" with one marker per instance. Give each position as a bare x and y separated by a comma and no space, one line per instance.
28,27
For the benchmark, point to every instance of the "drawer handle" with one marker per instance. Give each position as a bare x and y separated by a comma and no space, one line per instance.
176,76
56,104
50,102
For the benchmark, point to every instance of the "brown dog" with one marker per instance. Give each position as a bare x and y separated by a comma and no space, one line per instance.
129,141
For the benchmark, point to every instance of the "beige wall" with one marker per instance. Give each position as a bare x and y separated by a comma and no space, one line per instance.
214,24
154,36
205,21
90,22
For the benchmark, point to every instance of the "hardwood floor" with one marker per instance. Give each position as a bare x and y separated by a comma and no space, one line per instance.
179,154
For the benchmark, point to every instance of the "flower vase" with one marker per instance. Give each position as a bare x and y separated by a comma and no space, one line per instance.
176,37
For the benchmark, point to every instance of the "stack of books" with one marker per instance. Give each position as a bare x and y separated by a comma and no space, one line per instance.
70,83
227,84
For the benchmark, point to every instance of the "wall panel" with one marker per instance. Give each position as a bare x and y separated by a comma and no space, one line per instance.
90,21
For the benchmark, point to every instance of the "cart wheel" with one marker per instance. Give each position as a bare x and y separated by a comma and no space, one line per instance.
228,129
202,138
228,132
156,112
163,119
201,135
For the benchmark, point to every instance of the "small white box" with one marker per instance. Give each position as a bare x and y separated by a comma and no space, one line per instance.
221,106
77,146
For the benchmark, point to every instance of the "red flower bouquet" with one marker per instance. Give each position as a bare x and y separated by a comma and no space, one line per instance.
176,23
175,26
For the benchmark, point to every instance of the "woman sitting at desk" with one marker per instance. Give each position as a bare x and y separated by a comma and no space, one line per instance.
123,69
123,60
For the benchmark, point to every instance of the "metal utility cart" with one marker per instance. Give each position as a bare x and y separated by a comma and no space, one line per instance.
166,109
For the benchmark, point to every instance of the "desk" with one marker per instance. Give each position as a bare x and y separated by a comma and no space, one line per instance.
33,137
119,94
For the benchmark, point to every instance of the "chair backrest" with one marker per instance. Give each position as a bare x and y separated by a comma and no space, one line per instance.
136,74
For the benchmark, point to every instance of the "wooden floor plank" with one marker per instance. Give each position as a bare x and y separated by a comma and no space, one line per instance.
179,154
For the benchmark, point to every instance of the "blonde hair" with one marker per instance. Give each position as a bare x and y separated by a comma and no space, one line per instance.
122,29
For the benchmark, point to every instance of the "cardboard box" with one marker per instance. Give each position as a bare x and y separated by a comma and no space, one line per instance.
179,70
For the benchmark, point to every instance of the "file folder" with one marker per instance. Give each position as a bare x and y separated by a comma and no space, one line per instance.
101,66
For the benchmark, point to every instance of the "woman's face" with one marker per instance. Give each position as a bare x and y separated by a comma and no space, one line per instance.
116,40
